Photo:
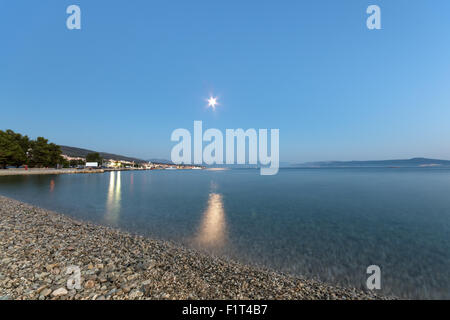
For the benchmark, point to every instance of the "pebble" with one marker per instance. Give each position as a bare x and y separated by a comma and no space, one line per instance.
46,292
89,284
59,292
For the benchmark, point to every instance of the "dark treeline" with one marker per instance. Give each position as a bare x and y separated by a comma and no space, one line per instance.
17,150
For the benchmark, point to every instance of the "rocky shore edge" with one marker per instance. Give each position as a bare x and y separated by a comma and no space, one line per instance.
40,246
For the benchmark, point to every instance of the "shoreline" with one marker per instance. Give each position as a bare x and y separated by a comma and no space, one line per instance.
46,171
39,245
35,171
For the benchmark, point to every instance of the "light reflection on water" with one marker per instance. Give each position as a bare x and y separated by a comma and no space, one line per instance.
114,198
212,231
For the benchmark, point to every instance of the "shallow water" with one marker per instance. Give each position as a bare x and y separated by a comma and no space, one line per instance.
329,224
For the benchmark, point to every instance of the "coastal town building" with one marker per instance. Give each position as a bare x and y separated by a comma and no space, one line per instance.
68,158
117,164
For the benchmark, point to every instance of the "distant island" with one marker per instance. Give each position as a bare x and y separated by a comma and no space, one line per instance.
414,162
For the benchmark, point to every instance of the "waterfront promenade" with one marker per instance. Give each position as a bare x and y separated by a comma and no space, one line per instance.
33,171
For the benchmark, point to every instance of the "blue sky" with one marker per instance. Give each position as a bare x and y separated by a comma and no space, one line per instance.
138,70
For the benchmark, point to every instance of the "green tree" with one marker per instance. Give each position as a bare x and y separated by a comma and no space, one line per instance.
23,141
40,153
65,163
55,157
11,152
17,150
74,163
94,157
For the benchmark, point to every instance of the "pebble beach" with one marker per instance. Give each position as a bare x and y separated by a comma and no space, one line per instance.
39,246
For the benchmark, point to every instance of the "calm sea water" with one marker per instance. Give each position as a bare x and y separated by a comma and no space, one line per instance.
329,224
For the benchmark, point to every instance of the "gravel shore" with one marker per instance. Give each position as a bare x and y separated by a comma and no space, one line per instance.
38,246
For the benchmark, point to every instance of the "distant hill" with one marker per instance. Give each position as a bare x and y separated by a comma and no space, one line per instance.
414,162
164,161
79,152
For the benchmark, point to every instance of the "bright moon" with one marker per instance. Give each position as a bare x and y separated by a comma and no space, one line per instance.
212,102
